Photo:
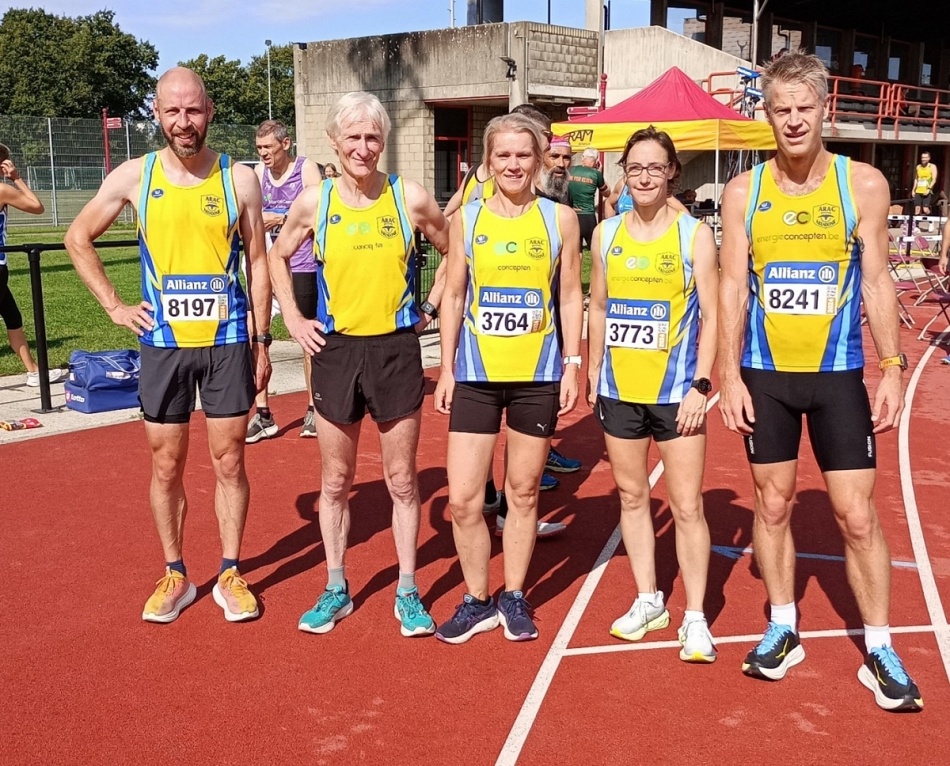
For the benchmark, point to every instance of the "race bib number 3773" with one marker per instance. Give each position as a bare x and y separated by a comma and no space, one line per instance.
801,288
638,324
195,297
509,311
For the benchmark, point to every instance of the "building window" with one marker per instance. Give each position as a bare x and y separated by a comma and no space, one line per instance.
828,49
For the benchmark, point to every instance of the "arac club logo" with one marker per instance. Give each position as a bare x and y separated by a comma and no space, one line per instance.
666,262
211,205
535,247
386,225
826,216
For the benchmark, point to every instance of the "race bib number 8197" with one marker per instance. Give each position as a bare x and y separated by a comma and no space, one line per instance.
195,298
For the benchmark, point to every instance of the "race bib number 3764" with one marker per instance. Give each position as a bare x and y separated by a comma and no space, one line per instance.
638,324
801,288
509,311
195,297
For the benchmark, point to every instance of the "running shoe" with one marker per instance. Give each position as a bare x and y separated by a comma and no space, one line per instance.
643,617
883,673
232,595
945,360
413,618
493,503
778,651
333,605
260,428
55,376
471,617
697,642
515,614
560,464
548,482
309,430
545,528
173,593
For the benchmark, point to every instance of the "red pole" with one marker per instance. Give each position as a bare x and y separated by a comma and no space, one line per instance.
105,139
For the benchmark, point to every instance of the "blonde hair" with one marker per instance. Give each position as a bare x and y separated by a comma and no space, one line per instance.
795,67
358,104
513,123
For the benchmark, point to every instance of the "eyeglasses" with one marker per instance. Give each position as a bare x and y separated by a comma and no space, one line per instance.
654,169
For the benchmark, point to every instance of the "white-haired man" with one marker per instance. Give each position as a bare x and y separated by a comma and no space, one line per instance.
586,181
366,355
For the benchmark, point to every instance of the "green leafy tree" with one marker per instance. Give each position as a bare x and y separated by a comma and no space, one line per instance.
56,66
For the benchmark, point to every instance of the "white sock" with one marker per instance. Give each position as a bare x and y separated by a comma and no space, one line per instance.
691,614
876,636
655,599
784,614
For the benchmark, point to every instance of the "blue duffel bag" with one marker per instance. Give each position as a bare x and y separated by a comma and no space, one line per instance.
103,380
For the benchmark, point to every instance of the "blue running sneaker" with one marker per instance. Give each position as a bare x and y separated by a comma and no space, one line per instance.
560,464
883,673
333,605
471,617
548,482
516,616
413,618
778,651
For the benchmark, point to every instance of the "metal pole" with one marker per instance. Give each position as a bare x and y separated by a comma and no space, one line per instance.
105,139
757,10
270,110
452,13
52,172
39,321
549,11
128,156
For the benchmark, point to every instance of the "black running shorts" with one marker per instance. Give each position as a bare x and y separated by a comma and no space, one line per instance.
380,373
9,311
835,406
305,293
222,375
530,408
627,420
923,200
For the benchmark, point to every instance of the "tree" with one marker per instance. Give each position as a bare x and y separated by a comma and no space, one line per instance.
56,66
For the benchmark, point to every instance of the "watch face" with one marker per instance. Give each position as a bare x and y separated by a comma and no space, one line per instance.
702,385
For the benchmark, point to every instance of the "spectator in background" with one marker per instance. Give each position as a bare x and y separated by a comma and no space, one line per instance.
586,181
330,171
925,179
17,194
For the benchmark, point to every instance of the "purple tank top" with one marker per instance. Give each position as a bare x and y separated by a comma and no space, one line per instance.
277,199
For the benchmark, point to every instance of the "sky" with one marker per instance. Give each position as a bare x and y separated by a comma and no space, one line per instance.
183,29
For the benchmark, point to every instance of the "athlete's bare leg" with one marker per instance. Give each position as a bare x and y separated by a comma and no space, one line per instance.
338,445
398,442
771,529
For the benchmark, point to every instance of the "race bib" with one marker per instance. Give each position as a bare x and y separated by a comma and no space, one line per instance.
195,298
638,324
801,288
509,311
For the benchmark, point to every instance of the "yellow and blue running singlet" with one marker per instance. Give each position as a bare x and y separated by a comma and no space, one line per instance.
189,247
924,180
473,189
366,265
508,333
652,312
805,275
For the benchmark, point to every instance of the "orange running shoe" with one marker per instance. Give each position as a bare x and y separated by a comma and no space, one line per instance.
173,593
232,595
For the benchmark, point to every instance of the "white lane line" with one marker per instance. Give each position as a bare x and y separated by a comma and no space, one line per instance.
532,704
750,639
927,580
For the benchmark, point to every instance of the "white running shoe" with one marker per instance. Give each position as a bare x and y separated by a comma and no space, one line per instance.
697,642
55,375
545,528
643,617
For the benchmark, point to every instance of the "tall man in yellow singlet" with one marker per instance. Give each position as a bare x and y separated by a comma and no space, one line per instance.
925,179
804,242
194,208
365,352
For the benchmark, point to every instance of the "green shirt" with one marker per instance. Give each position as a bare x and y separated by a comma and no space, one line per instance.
584,184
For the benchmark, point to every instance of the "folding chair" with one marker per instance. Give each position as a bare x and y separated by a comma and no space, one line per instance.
938,294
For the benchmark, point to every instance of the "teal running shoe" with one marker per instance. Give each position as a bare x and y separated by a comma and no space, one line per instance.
413,618
333,605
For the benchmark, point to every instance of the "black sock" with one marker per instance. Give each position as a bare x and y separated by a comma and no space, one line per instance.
227,564
264,412
310,408
177,566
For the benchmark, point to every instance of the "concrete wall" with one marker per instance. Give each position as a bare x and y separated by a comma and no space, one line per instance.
562,62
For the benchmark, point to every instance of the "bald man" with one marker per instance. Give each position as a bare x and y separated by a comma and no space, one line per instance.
194,208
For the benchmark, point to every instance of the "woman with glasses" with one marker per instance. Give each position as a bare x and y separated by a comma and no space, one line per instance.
654,274
501,355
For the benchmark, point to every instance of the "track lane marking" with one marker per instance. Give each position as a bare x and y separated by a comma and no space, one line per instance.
928,582
542,681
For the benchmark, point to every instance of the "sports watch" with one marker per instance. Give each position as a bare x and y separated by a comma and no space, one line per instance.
703,385
264,339
429,310
894,361
572,360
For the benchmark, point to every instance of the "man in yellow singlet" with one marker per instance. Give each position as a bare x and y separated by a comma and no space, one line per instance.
365,353
925,180
804,244
194,208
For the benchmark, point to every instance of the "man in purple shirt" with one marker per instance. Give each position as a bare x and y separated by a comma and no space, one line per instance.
282,179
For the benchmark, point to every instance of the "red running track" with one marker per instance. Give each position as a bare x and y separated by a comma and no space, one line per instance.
87,682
